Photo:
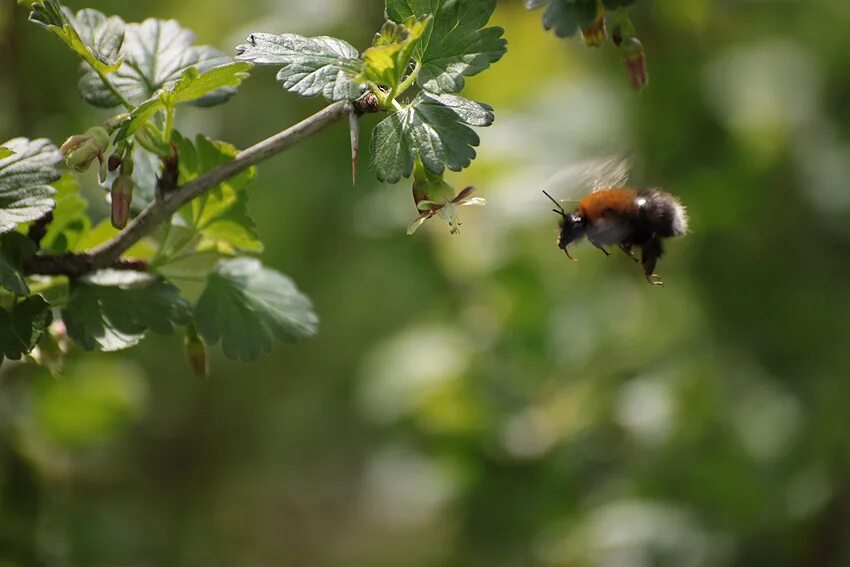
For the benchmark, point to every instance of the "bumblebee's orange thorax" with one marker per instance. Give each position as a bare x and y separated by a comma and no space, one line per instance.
604,202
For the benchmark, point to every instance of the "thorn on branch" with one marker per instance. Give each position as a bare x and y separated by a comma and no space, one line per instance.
354,128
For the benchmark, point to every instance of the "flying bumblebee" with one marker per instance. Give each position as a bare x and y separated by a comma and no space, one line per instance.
628,218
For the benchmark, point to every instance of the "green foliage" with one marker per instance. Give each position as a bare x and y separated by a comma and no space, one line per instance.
246,306
155,54
430,43
389,57
112,310
312,65
15,249
25,177
434,128
565,17
455,46
70,221
22,326
192,86
150,69
89,34
218,218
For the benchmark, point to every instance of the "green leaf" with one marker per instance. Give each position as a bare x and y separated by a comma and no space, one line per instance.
15,249
191,86
455,46
220,215
111,310
434,128
23,326
565,17
25,193
6,152
70,221
389,58
246,306
312,65
90,34
156,53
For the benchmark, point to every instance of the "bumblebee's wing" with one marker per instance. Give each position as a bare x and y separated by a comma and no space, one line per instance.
575,181
609,172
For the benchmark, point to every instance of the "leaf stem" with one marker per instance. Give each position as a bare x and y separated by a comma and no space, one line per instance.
169,124
407,82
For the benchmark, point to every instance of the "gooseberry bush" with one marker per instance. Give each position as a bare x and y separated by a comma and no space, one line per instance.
179,250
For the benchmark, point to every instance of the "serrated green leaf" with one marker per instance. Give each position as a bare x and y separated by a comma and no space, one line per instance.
246,306
387,61
565,17
15,249
90,34
70,221
434,128
6,152
312,65
111,310
23,326
25,193
191,86
156,53
220,215
457,44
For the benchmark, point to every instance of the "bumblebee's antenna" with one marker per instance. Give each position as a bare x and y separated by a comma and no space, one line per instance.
560,209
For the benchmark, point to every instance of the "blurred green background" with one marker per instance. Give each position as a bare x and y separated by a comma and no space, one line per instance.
478,399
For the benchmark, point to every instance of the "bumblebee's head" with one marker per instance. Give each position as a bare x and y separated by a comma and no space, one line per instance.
573,227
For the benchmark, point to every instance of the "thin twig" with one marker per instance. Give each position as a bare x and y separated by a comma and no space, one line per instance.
109,253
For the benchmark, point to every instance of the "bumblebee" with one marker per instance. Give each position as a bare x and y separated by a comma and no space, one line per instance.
626,218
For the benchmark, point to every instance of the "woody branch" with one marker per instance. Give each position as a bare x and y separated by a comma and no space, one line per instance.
108,254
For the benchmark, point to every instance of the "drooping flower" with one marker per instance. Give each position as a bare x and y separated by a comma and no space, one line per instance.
81,150
446,210
635,58
434,197
595,33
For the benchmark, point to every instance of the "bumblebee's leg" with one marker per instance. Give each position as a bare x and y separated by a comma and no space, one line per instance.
600,247
651,252
627,250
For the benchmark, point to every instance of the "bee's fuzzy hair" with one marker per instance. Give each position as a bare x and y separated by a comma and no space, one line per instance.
680,218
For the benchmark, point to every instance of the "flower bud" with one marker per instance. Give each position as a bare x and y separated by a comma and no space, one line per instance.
122,198
595,34
635,59
196,351
81,150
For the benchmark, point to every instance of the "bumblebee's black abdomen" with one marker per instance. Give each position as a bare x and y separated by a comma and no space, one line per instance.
659,213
